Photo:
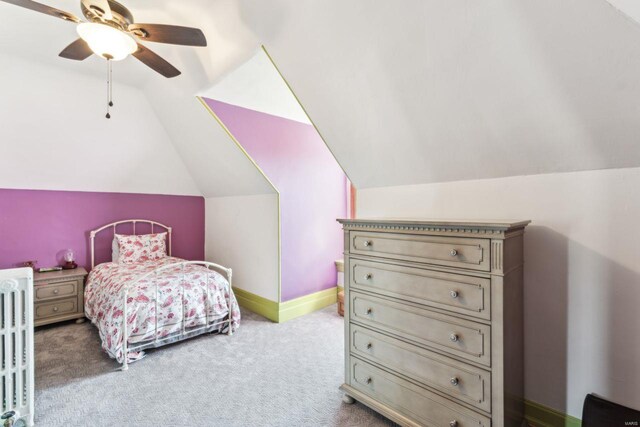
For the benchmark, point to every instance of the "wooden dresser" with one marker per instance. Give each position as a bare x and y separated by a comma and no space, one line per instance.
58,296
434,321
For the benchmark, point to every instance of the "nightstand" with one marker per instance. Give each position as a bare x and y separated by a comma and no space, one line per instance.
58,296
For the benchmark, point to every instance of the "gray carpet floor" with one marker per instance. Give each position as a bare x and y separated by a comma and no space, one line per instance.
266,374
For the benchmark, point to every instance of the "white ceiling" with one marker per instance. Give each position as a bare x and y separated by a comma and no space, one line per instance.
258,86
403,93
630,7
427,90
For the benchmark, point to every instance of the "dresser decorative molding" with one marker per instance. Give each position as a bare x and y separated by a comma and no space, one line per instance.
434,320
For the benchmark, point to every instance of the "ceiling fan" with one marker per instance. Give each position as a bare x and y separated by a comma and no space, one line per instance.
111,33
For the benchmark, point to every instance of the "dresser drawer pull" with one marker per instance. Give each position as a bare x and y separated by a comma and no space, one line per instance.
454,381
369,276
56,291
368,243
453,423
55,308
454,337
368,380
453,252
369,346
454,294
369,310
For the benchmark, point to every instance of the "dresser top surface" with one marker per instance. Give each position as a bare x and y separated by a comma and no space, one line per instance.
502,225
62,274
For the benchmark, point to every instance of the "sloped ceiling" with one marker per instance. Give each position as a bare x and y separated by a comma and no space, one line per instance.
406,92
629,7
427,91
258,86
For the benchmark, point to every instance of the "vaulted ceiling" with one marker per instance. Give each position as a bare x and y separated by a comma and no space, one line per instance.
402,92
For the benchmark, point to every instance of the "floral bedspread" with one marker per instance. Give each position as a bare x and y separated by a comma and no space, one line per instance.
104,302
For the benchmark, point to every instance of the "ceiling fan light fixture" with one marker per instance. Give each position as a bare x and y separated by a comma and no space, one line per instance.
106,41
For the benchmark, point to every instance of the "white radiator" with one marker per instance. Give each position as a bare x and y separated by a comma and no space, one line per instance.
16,342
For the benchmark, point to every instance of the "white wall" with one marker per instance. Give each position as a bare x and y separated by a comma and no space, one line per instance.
242,233
54,136
582,276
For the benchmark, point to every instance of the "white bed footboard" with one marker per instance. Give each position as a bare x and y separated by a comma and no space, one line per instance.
184,333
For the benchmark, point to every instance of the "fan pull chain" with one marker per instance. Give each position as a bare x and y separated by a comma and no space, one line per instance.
109,87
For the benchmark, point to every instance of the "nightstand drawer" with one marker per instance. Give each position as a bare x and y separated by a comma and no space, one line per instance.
45,291
57,308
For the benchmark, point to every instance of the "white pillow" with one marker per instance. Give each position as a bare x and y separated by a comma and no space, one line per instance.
115,250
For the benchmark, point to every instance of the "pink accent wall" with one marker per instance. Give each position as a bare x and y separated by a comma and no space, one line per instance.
312,188
37,224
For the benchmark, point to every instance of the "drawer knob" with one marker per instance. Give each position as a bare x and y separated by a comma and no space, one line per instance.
453,423
369,310
454,294
368,243
454,381
369,346
55,308
368,380
369,276
55,291
454,337
453,252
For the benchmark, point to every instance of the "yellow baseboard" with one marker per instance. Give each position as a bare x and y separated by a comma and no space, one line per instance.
538,415
282,311
257,304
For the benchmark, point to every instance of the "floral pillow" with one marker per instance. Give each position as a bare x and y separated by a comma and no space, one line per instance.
144,247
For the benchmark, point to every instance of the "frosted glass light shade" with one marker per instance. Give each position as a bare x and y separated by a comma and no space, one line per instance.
69,255
106,41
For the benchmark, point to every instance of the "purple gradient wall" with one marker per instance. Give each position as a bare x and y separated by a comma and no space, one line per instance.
37,224
312,190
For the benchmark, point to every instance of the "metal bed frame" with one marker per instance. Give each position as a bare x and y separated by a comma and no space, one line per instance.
184,332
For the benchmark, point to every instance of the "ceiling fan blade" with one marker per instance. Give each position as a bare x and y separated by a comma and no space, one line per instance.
171,34
79,50
155,62
39,7
103,5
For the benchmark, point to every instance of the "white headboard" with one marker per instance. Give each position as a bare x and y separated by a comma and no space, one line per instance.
92,234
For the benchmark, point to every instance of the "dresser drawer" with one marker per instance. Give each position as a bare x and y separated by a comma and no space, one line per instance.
462,338
57,308
427,408
46,291
447,251
461,381
455,292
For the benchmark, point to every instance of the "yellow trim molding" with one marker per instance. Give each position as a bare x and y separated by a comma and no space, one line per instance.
307,304
538,415
281,312
252,302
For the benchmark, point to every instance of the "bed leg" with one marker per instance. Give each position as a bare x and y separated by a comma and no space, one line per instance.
229,278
